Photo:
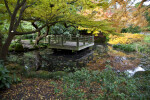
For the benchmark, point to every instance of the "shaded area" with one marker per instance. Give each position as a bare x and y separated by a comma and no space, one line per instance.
32,89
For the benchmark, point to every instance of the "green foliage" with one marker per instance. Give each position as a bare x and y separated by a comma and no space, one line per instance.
45,74
5,79
61,29
142,82
131,29
16,79
19,47
125,47
147,39
142,47
16,69
85,84
28,36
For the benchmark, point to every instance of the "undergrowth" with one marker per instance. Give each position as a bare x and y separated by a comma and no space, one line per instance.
142,47
107,84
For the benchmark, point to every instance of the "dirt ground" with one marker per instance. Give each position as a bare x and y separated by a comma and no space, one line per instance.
29,89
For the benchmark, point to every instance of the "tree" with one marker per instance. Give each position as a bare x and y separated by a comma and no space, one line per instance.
125,14
48,12
16,16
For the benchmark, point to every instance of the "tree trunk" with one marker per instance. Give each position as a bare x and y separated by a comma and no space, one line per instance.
1,37
37,40
5,47
39,37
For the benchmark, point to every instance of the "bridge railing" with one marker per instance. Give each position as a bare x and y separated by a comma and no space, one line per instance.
62,39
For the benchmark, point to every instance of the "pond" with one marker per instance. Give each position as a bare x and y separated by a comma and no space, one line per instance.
94,58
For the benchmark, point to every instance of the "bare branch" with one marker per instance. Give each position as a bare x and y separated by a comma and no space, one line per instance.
30,5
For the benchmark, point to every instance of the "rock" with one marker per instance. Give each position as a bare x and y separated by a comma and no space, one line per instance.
19,47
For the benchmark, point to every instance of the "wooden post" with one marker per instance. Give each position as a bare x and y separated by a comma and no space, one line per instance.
93,39
89,39
70,37
55,39
62,40
33,37
77,42
84,40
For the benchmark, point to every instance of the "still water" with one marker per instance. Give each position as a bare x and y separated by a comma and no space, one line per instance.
95,58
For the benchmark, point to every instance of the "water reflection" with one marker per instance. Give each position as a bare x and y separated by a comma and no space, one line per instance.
95,59
132,72
53,61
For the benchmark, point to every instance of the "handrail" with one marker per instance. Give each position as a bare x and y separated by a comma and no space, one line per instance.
61,39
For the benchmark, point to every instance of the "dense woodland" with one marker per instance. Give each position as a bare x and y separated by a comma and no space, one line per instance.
121,29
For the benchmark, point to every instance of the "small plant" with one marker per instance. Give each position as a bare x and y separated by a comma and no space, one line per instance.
5,79
19,47
125,47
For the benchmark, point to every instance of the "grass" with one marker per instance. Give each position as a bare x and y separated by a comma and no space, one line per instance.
147,39
142,47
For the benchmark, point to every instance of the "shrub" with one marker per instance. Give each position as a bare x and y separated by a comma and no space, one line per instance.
125,47
5,79
131,29
138,47
147,39
19,47
85,84
125,38
45,74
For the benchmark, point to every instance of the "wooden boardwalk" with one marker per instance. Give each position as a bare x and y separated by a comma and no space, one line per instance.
69,42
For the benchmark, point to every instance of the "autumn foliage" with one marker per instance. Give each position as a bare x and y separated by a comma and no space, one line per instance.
125,38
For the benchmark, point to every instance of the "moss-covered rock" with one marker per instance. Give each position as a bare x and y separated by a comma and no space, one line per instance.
19,47
59,74
46,74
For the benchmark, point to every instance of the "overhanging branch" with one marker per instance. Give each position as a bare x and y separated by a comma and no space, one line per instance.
7,7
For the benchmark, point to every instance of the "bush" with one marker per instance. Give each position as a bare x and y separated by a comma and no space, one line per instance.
147,39
45,74
85,84
138,47
5,79
125,38
125,47
28,36
131,29
19,47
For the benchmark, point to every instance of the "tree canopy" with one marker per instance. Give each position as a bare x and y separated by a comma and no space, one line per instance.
14,13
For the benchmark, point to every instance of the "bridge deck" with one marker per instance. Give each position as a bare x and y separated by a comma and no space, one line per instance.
69,43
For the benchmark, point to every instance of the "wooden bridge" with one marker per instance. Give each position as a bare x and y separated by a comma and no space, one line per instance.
69,42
